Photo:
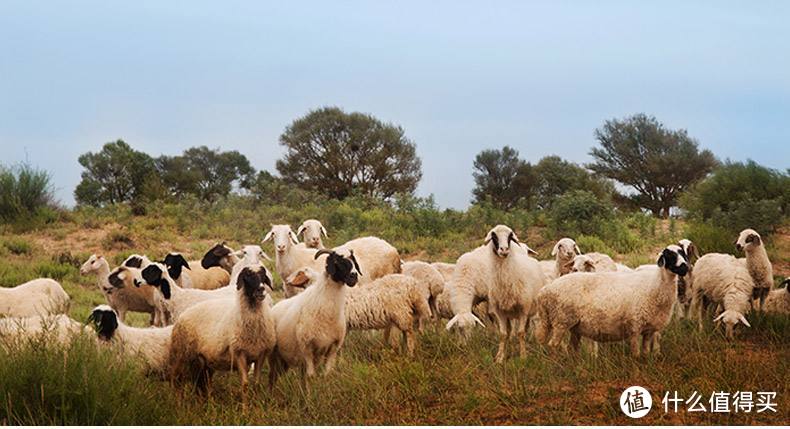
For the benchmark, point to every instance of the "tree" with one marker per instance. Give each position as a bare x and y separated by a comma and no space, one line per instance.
115,174
657,162
206,173
558,176
337,154
502,178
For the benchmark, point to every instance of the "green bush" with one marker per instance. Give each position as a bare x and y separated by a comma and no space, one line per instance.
24,191
711,238
579,212
54,270
589,243
738,196
18,246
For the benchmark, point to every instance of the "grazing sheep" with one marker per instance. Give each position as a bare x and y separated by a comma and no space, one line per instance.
223,334
311,326
468,287
311,231
62,327
39,297
220,255
429,279
152,344
515,280
778,300
757,263
377,258
445,269
564,251
611,306
722,280
122,295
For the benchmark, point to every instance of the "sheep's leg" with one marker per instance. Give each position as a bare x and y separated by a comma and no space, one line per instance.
503,334
241,364
277,366
390,339
331,357
408,335
647,340
636,345
121,314
521,334
655,344
576,339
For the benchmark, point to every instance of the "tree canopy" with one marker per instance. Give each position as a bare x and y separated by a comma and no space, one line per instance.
502,178
206,173
113,175
657,162
338,154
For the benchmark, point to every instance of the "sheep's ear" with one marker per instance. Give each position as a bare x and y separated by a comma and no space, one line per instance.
300,230
743,320
576,248
293,236
323,230
299,279
555,249
513,238
164,286
661,260
489,237
753,238
718,318
265,256
268,236
589,266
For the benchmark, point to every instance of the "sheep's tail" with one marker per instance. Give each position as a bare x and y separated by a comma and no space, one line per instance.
397,264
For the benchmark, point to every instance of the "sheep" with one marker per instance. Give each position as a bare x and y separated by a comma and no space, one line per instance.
176,263
220,255
311,326
757,263
172,300
593,262
611,306
152,344
223,334
114,285
429,279
377,258
445,269
723,280
39,297
62,327
468,287
248,255
515,280
778,300
564,251
312,230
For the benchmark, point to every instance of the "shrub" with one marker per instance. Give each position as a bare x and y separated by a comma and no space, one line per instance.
589,243
24,191
738,196
18,246
711,238
579,212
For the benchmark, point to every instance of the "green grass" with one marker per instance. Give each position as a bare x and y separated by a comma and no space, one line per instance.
449,381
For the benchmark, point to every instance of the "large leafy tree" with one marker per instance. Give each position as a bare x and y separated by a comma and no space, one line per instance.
557,176
113,175
502,178
657,162
338,154
206,173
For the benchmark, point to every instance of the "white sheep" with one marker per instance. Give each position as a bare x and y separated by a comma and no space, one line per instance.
757,263
611,306
39,297
469,286
223,334
114,285
778,300
429,279
60,326
721,279
515,280
445,269
311,326
593,262
311,231
248,255
151,344
211,272
563,251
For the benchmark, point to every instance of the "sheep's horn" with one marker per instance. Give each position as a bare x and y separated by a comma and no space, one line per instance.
321,252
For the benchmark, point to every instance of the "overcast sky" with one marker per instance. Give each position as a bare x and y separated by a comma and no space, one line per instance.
458,76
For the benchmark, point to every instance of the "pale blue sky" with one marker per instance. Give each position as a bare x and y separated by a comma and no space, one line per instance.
458,76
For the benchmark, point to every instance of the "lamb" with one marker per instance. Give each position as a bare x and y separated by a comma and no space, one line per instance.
311,326
429,279
114,285
722,280
377,258
312,230
564,251
515,281
611,306
62,327
778,300
757,263
223,334
39,297
151,344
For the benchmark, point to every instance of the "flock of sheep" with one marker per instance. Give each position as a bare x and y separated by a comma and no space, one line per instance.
218,314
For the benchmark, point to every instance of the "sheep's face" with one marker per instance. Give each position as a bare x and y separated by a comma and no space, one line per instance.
175,263
119,276
565,249
340,268
283,237
500,238
311,231
105,320
252,254
219,256
674,259
154,275
92,264
582,264
691,250
748,239
251,281
133,261
730,318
